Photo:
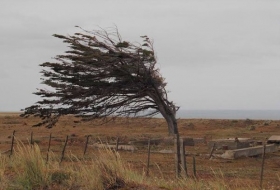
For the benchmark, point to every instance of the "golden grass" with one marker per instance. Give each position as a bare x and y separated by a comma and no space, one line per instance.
3,178
30,168
27,169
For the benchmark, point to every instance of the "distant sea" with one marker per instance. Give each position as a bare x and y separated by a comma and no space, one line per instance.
229,114
219,114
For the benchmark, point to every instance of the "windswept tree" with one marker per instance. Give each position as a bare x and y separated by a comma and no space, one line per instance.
102,75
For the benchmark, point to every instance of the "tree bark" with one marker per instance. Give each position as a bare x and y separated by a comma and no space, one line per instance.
169,115
167,112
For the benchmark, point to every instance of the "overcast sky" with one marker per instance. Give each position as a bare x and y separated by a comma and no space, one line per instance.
214,54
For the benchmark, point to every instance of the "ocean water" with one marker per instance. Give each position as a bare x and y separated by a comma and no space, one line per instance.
229,114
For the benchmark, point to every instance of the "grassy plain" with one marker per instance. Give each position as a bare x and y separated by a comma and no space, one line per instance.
243,173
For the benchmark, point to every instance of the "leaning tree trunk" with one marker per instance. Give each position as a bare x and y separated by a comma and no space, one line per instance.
170,118
169,114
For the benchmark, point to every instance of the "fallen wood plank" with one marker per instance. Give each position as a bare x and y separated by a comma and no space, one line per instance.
274,139
120,147
188,141
247,152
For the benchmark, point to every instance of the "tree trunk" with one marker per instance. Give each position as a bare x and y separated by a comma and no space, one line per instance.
173,130
169,115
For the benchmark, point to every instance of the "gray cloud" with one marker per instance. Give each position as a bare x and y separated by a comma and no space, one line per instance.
214,54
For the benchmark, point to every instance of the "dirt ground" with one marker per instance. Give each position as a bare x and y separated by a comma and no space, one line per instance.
162,165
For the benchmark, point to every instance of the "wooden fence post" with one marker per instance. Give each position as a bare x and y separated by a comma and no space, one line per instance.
117,144
49,146
177,155
12,146
194,167
212,150
85,150
148,161
63,151
183,158
262,167
31,138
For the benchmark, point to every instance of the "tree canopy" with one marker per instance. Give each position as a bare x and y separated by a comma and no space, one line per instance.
102,75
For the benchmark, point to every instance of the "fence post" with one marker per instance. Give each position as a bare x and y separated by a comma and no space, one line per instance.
49,146
212,150
183,157
262,167
194,167
63,151
148,161
177,155
31,138
85,150
117,144
12,146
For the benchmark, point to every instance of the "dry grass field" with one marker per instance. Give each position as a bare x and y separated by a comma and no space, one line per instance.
242,173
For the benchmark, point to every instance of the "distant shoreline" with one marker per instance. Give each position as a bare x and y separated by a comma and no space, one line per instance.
210,114
230,114
10,113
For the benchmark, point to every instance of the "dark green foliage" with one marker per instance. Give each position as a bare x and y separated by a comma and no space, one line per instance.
101,75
